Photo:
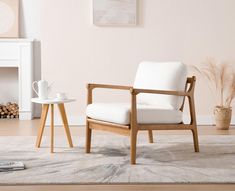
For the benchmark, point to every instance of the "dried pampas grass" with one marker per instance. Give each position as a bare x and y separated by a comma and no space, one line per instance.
221,78
231,91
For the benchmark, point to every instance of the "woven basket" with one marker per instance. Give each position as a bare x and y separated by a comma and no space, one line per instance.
222,117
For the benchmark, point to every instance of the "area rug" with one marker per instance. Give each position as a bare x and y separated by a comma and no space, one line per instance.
171,159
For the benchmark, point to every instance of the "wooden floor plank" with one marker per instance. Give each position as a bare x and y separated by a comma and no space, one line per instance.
162,187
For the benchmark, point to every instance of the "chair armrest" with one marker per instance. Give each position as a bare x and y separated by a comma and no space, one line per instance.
90,88
165,92
107,86
136,91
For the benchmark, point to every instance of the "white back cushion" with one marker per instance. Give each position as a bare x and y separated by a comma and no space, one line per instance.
161,76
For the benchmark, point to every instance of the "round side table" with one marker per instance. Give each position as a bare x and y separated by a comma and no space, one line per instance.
45,107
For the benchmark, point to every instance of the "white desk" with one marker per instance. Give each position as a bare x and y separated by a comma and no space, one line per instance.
45,107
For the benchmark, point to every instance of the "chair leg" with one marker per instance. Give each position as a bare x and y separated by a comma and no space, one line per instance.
195,139
150,132
88,138
133,139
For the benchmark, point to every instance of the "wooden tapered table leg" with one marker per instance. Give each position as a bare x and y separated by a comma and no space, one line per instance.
52,128
65,122
42,126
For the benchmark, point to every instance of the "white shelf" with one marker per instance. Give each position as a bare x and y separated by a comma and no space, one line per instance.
9,63
16,39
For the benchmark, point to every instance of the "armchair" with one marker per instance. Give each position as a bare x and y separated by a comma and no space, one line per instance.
157,103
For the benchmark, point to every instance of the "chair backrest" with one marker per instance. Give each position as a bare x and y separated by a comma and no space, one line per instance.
161,76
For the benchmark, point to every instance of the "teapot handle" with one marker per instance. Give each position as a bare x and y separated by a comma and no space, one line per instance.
33,86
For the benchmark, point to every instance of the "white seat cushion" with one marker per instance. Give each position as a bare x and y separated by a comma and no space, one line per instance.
120,113
161,76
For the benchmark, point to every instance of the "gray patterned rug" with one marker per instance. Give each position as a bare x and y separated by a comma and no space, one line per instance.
170,160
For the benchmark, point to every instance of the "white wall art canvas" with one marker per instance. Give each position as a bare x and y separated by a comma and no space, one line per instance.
9,18
114,12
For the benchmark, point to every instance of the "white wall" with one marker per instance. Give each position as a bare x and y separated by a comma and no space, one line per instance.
75,52
30,23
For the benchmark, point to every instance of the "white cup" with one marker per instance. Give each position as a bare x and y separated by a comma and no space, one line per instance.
61,96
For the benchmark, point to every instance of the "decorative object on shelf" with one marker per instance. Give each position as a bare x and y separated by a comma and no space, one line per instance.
114,12
9,18
221,78
9,111
43,89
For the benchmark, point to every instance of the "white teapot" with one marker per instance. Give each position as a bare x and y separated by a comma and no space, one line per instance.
43,89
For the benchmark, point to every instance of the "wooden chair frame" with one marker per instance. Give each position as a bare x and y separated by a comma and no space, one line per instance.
133,128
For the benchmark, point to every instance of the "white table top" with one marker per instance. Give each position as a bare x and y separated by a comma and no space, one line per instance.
51,100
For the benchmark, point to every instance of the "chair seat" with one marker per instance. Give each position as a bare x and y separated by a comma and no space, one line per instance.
120,113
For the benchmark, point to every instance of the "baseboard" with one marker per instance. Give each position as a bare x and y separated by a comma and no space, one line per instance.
25,115
206,119
201,119
81,120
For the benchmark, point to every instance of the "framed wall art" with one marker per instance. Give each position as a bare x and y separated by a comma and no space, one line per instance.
9,18
114,12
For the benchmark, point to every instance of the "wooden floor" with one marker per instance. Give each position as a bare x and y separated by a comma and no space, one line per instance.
29,128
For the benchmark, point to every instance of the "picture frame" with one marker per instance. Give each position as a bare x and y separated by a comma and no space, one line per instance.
9,18
115,12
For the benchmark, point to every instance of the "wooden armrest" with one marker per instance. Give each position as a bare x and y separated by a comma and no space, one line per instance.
165,92
107,86
191,79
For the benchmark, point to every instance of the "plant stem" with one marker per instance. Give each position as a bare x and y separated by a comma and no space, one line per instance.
222,97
